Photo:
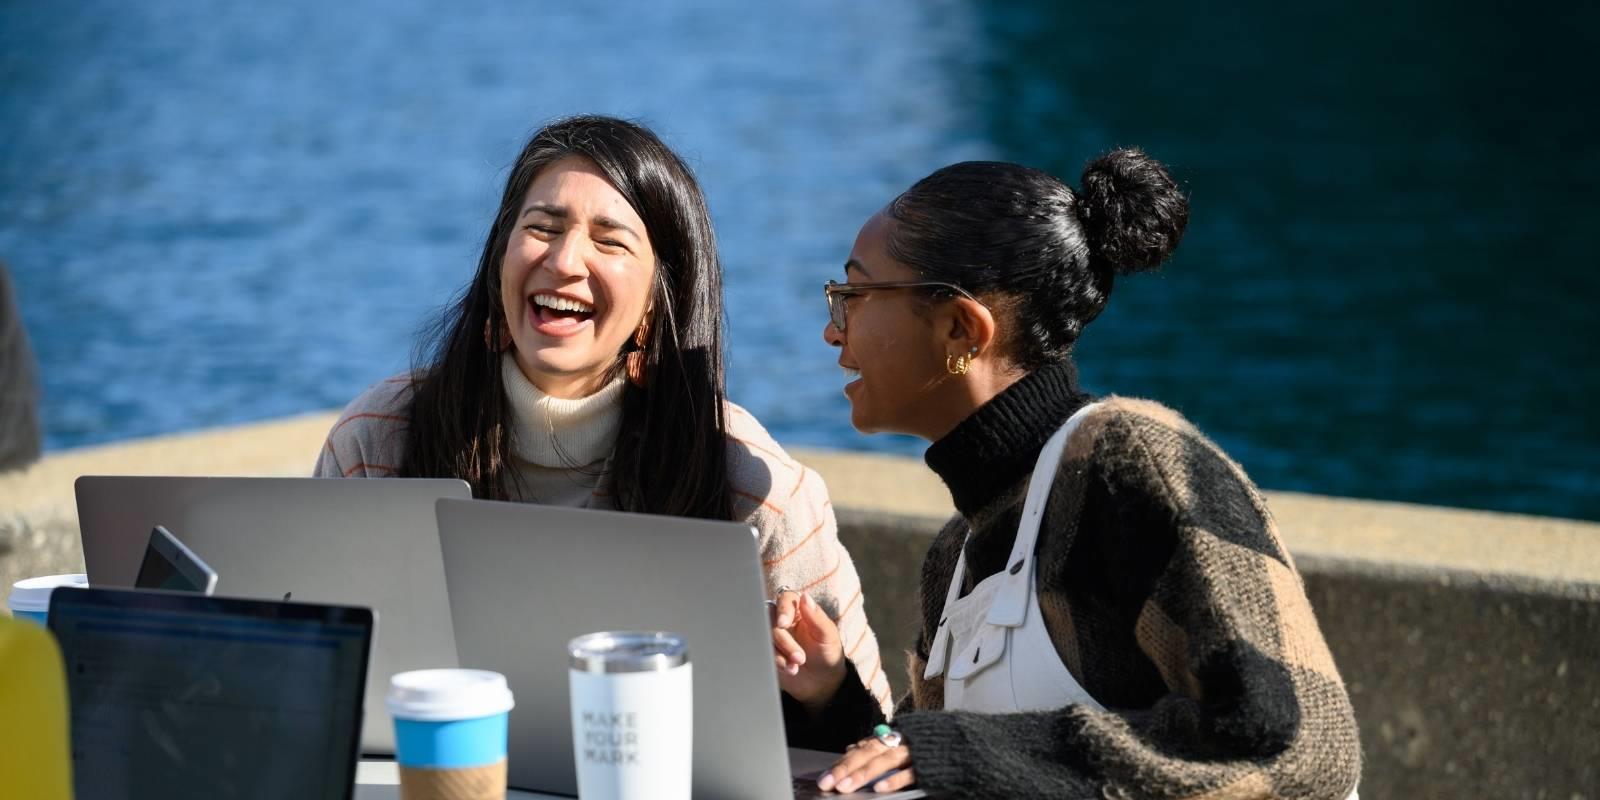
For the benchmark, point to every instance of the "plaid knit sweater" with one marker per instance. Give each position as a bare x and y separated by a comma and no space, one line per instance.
1167,593
786,502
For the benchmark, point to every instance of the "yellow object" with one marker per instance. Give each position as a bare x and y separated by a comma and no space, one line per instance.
33,714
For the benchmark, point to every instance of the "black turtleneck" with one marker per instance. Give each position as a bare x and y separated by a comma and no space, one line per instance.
992,450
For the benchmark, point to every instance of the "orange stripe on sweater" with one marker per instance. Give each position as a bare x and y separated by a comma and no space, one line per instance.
857,646
848,606
825,577
799,483
364,465
354,417
775,456
803,542
876,668
760,500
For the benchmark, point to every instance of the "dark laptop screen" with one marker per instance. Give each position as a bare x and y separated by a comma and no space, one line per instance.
182,695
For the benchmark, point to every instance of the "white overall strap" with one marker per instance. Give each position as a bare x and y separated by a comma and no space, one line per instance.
940,646
1010,607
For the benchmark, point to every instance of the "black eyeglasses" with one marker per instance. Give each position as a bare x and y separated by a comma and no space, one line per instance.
837,293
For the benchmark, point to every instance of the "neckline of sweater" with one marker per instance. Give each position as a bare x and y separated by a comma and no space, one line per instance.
560,432
995,447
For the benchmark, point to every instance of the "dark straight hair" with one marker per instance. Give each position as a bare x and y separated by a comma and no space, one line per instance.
670,455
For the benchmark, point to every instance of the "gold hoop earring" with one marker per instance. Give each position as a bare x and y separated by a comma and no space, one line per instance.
960,365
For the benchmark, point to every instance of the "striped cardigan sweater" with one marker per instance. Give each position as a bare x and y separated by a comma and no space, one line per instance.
1168,594
786,502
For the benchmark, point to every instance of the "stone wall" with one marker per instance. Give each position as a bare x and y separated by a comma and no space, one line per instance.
1466,684
1470,640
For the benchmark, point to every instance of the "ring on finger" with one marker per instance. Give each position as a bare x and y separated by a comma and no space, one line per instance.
890,737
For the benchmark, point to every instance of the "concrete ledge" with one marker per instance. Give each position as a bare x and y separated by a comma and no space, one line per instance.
1470,640
1382,533
1466,684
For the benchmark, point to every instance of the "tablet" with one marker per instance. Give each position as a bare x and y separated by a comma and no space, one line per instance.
168,564
178,695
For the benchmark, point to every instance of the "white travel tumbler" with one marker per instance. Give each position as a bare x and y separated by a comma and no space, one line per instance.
632,715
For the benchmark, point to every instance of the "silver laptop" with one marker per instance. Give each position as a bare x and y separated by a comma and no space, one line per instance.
345,541
525,579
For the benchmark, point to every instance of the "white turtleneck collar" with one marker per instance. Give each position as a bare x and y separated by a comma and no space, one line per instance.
552,432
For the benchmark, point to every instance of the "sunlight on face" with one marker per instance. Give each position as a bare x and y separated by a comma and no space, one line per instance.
887,349
576,278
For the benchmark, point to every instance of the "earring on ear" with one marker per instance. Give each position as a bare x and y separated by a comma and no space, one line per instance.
959,365
496,338
635,358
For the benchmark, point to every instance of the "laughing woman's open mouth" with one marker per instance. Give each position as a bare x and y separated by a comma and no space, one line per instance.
559,315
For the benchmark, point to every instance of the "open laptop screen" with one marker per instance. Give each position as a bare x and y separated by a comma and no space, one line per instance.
177,695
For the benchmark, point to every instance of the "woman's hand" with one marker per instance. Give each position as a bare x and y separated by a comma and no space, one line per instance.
807,650
868,759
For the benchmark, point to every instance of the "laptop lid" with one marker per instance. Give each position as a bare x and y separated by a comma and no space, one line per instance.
177,695
349,541
524,579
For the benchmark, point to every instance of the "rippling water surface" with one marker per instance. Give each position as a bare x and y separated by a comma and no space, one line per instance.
218,213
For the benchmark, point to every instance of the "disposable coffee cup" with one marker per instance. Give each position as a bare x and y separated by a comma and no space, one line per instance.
450,733
30,597
632,715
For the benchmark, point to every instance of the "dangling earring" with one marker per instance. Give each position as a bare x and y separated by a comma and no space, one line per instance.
959,365
635,358
496,338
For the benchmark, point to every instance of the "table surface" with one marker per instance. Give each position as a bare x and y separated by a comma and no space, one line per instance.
380,780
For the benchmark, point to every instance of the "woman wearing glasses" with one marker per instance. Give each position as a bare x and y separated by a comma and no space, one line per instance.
582,367
1112,613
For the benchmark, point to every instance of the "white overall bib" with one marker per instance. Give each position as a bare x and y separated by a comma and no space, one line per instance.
992,646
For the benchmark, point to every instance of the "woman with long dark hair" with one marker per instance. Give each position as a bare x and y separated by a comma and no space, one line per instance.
583,367
1112,612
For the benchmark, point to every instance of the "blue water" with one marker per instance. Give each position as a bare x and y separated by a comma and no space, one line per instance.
218,213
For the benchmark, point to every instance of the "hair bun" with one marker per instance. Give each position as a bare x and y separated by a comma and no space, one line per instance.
1132,210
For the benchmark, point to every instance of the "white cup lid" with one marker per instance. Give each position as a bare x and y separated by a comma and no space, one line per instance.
436,695
33,594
